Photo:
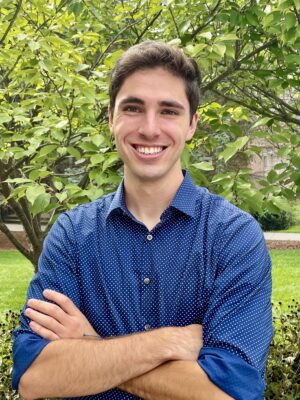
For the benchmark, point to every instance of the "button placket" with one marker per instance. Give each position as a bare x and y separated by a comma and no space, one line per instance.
146,280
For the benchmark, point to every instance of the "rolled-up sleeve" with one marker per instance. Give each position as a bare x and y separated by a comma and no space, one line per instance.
57,270
237,328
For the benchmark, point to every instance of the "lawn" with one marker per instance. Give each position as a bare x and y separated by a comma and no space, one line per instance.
16,273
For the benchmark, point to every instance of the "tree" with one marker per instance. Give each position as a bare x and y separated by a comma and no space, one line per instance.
55,58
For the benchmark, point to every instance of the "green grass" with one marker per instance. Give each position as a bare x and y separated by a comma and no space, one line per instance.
286,275
16,273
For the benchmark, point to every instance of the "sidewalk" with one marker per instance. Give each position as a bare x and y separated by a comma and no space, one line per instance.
278,236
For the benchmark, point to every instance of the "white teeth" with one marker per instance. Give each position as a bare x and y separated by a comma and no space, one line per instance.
149,150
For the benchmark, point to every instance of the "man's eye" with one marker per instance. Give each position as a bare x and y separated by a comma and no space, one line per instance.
132,109
170,112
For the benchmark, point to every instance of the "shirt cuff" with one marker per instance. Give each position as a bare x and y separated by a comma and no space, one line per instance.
232,374
26,348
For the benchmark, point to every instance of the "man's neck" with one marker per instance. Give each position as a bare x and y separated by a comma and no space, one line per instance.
147,200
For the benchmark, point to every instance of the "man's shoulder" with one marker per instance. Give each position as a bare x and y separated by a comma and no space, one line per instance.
94,210
220,210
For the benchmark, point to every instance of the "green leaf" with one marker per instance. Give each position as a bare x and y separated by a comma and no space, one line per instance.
5,118
262,121
111,159
296,161
281,203
97,159
40,204
227,37
33,192
205,35
221,178
219,49
74,152
290,20
18,180
204,166
232,148
47,149
62,124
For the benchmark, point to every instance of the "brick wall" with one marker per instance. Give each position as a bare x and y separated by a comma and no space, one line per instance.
5,244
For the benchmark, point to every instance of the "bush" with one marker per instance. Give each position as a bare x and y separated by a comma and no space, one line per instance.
274,222
283,368
11,321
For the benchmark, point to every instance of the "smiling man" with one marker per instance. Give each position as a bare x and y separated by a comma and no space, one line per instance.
177,278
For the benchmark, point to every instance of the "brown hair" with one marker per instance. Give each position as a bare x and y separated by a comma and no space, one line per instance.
151,54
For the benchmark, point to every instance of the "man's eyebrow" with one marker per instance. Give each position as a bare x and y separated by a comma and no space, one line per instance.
130,100
172,104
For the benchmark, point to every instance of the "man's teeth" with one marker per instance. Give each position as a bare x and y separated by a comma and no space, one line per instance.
149,150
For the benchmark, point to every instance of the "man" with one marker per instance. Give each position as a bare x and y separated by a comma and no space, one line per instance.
149,266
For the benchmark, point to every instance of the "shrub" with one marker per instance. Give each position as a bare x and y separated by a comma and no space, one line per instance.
283,368
274,222
11,321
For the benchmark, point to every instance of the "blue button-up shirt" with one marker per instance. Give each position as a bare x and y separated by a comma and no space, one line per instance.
205,262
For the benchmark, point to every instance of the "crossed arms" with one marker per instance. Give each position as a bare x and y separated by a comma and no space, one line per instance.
157,364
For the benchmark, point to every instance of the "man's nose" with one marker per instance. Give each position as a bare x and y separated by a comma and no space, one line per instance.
149,125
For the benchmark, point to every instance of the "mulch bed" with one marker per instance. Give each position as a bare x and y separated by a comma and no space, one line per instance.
283,244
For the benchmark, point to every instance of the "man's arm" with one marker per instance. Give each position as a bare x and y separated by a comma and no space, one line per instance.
78,367
176,380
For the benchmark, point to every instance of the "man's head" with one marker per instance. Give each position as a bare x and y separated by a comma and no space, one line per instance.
149,55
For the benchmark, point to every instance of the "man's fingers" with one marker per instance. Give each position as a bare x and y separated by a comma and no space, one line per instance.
45,333
63,301
46,321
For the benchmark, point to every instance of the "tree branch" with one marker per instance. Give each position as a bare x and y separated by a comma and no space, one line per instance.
100,58
208,21
277,99
11,22
235,65
258,50
285,118
297,13
174,21
150,23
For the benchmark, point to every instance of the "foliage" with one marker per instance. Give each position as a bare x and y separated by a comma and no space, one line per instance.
282,369
11,321
274,222
55,59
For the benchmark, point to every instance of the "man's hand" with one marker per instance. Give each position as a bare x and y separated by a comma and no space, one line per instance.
58,321
64,320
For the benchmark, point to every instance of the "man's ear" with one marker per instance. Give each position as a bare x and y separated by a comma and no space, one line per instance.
192,127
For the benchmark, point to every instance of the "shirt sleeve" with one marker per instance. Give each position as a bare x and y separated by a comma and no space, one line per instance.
57,270
237,327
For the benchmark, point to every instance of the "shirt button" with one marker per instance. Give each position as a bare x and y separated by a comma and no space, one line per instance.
146,281
149,237
147,327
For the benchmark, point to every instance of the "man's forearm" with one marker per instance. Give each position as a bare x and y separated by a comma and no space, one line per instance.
77,367
176,380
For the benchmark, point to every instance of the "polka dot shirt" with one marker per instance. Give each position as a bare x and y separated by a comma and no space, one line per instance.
206,262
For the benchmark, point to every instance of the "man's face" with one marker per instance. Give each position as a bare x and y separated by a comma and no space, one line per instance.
150,123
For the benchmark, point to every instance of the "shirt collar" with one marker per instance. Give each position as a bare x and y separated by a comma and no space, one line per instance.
186,196
184,200
118,201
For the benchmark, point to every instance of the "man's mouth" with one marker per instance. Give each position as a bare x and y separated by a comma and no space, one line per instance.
149,149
